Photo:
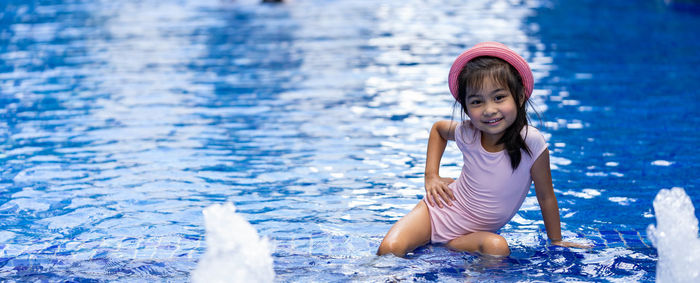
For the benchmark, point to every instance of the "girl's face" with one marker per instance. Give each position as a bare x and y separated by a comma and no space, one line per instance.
492,109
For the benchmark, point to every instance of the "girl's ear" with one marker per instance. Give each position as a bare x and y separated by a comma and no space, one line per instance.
522,100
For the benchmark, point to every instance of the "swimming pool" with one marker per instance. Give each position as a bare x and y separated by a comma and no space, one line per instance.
121,121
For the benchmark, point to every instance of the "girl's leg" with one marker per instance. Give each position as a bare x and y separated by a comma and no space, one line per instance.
485,243
410,232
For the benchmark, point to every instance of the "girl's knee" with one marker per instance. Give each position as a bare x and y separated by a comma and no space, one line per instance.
495,245
392,246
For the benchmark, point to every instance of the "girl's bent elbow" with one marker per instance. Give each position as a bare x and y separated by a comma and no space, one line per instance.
436,126
443,128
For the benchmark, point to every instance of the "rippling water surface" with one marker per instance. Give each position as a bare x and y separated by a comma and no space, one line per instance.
122,120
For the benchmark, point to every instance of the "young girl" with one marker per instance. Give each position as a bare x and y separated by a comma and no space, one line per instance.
502,157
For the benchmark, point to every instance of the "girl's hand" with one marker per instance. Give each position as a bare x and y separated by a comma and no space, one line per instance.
436,188
570,244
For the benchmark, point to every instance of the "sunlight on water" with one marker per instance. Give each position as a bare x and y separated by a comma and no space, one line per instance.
120,121
675,237
234,249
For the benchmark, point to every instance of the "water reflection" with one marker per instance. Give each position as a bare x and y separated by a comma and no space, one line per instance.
107,179
121,121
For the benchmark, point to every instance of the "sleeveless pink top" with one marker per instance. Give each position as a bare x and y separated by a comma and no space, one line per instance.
488,191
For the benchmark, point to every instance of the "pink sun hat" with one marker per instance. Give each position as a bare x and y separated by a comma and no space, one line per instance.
493,49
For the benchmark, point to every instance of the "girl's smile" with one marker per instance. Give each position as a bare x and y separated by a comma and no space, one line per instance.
493,122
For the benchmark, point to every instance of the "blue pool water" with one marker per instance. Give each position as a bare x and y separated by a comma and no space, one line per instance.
120,121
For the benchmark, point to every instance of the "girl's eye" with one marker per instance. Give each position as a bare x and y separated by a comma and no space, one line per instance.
500,97
475,102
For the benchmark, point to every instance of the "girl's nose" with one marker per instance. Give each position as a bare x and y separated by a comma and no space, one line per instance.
490,109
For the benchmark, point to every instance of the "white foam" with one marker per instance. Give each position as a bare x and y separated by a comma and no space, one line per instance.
661,163
585,193
622,200
675,237
235,252
574,125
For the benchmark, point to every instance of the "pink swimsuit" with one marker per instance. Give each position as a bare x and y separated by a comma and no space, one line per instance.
488,191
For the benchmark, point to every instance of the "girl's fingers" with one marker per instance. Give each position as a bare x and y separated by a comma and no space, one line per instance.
450,193
436,199
439,193
448,181
580,246
571,245
445,196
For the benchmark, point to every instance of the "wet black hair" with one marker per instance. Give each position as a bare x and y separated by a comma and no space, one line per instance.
471,80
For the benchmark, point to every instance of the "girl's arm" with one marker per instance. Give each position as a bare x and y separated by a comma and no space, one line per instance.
542,176
435,186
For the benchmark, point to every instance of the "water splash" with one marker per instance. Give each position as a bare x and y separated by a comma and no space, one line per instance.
675,237
235,252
